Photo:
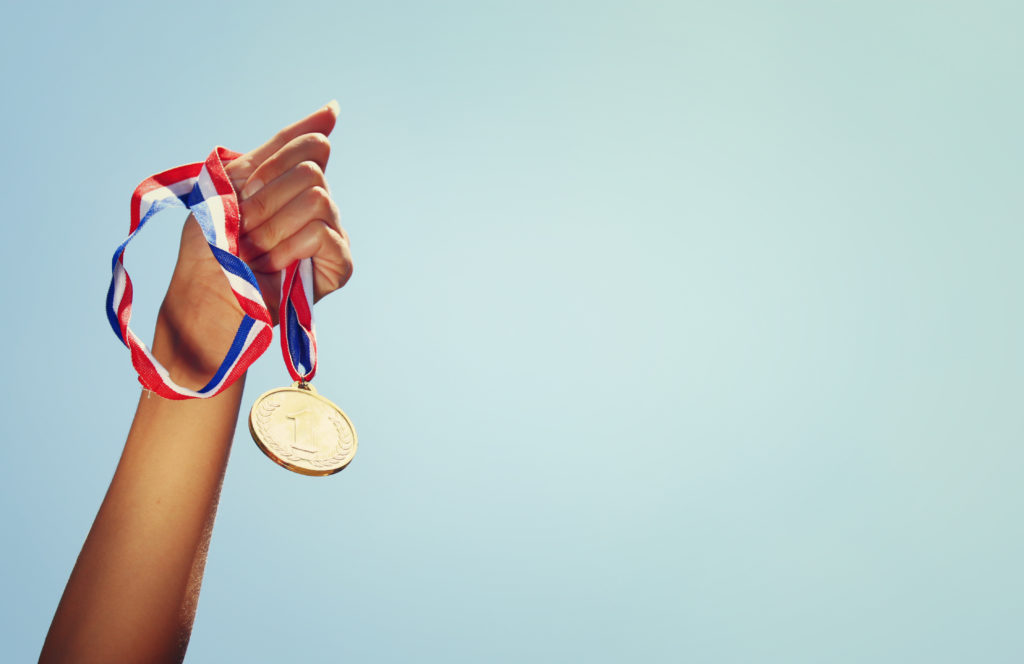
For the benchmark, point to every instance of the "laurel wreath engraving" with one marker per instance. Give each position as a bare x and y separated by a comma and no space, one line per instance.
342,453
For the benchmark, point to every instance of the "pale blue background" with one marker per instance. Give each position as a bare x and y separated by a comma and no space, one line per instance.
679,332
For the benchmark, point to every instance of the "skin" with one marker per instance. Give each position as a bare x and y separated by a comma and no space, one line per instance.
133,592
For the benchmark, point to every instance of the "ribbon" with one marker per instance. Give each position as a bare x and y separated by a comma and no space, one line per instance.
205,189
298,338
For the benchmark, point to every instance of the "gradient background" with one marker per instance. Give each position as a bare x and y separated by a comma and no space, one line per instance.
679,332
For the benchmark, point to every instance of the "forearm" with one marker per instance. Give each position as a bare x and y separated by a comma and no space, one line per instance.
133,590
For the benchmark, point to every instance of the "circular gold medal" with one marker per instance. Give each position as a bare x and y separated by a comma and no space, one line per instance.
302,431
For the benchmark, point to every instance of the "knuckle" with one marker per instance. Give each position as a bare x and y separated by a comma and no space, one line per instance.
323,231
326,234
320,146
346,271
311,172
320,197
333,215
278,260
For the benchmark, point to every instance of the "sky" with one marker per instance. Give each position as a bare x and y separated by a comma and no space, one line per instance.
678,332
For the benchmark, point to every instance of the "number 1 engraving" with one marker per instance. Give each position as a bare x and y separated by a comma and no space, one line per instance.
303,435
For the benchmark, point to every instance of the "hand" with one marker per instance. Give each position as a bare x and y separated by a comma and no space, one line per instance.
286,214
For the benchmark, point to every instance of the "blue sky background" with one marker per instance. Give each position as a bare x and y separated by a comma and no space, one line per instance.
678,331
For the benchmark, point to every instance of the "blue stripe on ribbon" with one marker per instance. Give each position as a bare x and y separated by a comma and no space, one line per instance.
118,252
111,314
235,266
158,205
111,311
298,342
237,346
201,211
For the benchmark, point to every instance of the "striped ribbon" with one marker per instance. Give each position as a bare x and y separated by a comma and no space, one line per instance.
298,338
205,189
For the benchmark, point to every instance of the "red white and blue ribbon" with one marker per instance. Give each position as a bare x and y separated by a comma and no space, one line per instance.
298,338
205,189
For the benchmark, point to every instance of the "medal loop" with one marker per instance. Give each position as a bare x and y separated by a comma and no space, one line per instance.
298,337
205,189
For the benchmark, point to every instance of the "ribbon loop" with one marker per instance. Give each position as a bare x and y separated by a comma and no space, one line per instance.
205,189
298,337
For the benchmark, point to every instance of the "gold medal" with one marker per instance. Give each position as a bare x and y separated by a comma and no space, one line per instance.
302,431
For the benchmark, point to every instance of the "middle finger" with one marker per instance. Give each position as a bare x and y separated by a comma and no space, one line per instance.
310,205
265,203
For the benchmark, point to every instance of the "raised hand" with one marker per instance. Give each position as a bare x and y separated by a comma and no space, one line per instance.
287,210
287,214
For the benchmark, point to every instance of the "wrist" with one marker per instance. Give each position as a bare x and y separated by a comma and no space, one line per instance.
184,359
196,324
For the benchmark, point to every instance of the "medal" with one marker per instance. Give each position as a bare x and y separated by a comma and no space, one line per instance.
302,431
295,426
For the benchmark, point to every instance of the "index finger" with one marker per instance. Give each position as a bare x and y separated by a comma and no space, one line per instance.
320,121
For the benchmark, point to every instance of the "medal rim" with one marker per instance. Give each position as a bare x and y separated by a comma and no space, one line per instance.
309,472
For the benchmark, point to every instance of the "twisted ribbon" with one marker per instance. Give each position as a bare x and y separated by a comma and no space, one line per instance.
298,338
205,189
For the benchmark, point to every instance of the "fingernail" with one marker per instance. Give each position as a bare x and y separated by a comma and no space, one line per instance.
251,187
334,106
